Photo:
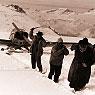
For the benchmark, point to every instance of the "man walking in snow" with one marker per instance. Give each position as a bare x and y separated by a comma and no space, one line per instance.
80,69
56,59
36,50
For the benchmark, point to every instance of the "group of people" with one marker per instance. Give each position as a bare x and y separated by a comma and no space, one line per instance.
80,69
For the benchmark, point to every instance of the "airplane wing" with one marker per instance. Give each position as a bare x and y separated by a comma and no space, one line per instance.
5,42
67,44
10,43
49,44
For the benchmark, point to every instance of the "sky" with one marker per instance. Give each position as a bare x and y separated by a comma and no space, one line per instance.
45,4
76,3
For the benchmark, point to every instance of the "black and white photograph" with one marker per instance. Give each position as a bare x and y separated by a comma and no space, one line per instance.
47,47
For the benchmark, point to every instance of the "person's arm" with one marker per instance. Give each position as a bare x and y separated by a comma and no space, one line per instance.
92,60
55,52
43,42
66,51
74,47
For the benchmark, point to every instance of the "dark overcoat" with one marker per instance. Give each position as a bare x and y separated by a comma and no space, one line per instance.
78,74
37,45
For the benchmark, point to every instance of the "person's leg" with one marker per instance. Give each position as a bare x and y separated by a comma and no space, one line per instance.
57,73
33,61
39,65
51,73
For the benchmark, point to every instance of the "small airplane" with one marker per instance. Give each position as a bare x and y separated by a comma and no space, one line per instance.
17,40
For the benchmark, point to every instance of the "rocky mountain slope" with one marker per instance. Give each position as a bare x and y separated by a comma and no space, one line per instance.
66,22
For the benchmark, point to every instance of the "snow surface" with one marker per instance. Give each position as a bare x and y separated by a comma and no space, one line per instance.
16,75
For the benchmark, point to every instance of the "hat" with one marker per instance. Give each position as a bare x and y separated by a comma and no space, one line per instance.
60,40
39,33
32,28
85,39
83,42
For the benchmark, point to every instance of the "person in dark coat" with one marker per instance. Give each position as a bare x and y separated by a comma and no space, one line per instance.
36,50
80,69
56,59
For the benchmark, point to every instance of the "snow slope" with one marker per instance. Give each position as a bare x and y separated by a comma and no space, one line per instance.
8,15
16,75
